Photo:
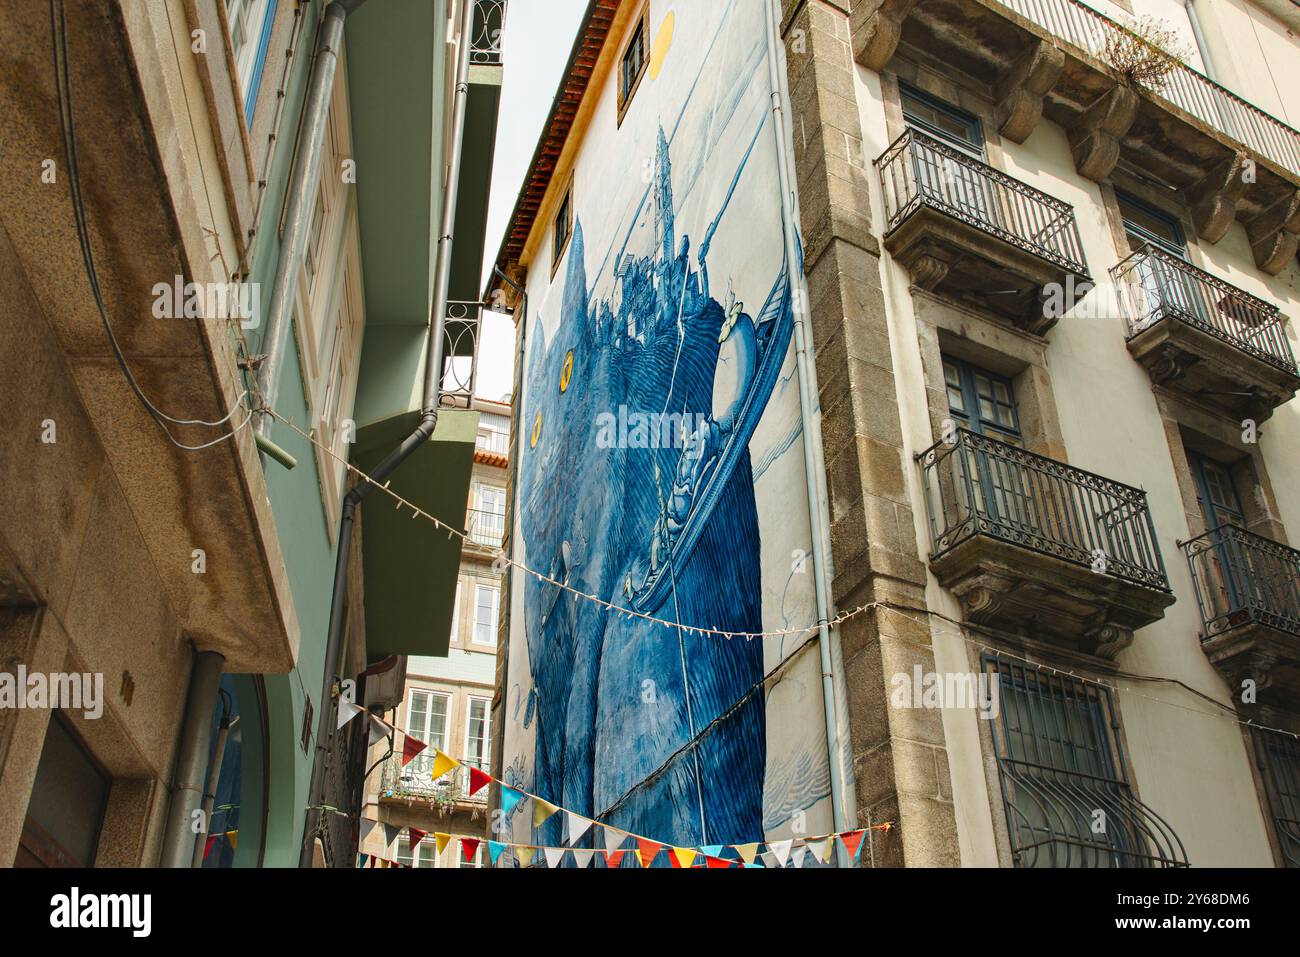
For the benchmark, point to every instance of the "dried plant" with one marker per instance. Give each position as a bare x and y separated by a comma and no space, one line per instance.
1146,52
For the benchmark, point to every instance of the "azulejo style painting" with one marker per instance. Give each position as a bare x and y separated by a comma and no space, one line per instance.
661,469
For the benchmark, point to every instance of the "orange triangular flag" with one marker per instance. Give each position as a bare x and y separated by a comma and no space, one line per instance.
647,851
716,861
442,763
851,840
477,780
468,848
614,858
410,748
685,856
443,840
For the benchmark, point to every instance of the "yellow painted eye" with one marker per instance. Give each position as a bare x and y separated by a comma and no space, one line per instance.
567,372
537,431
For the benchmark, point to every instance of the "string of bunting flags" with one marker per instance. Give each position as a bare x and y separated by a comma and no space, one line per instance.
644,851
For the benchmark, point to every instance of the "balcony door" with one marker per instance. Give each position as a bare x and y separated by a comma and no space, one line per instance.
985,403
1165,288
1217,497
942,178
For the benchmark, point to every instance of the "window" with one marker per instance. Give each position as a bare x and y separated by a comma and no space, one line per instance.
1066,797
490,524
477,730
493,433
427,722
485,615
68,801
944,122
632,65
250,23
1145,224
562,230
981,401
426,856
1279,761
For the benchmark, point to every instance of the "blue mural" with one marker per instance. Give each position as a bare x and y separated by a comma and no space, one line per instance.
635,722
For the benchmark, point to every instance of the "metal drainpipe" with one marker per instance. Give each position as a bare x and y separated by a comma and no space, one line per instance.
511,473
214,778
191,761
303,183
818,511
1200,39
423,431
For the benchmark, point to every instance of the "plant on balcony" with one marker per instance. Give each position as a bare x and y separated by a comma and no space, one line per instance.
1146,52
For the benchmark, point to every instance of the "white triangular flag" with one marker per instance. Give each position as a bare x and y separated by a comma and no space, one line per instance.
582,858
554,855
800,855
378,731
576,826
780,850
819,848
347,711
614,839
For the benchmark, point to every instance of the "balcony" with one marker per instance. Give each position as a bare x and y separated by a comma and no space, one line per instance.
1039,548
461,335
414,784
1197,334
485,529
1248,590
485,39
1063,60
976,235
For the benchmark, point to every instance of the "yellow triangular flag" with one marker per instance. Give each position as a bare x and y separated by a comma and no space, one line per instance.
443,840
442,763
525,855
233,838
685,856
747,852
542,810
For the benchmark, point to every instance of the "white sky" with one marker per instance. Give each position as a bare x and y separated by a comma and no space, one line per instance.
535,47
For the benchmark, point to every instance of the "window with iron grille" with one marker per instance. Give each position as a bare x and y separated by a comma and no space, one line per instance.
1060,766
1279,765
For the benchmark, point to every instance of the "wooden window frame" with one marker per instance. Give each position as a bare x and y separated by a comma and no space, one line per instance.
640,26
565,209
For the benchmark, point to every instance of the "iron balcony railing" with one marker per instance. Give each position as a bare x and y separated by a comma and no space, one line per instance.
1065,792
1242,578
484,527
918,170
485,40
460,345
976,485
1154,285
416,781
1184,87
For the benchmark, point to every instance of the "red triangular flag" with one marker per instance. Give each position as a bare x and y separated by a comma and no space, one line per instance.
717,861
614,858
468,848
477,779
415,835
207,846
410,748
647,851
851,841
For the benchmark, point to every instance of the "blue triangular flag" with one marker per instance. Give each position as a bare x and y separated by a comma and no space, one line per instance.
509,798
494,850
362,862
713,850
